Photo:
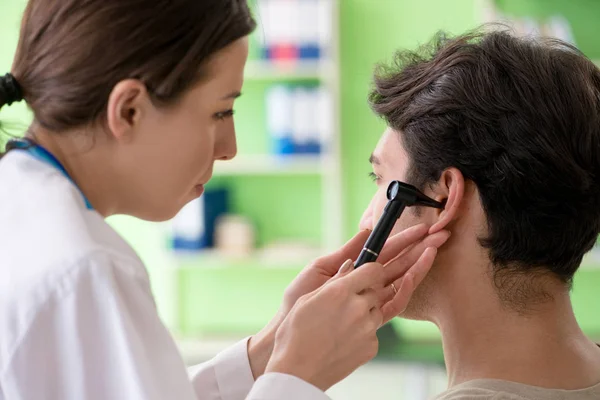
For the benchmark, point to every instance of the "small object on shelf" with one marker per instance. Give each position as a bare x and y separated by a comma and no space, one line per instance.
193,228
295,29
324,118
308,30
235,236
299,119
279,118
305,134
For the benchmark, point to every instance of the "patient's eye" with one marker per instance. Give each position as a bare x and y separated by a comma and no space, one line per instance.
374,177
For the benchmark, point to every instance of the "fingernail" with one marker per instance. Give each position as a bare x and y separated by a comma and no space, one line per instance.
347,266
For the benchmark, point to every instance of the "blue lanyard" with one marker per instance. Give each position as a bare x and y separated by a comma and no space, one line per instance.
45,156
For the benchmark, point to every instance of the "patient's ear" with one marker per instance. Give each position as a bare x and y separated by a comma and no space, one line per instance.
450,188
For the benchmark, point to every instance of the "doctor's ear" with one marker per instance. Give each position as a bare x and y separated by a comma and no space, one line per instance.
450,190
127,102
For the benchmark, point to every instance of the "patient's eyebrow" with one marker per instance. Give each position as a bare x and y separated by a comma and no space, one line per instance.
374,160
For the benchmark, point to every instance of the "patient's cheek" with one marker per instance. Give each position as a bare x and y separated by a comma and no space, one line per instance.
374,211
406,220
399,227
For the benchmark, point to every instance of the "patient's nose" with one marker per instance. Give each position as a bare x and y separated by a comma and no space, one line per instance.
366,222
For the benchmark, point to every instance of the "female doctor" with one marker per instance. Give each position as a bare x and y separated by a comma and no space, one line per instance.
132,103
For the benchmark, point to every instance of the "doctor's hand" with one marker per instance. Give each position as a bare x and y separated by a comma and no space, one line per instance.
401,252
332,331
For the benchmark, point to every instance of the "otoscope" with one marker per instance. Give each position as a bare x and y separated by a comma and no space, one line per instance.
399,195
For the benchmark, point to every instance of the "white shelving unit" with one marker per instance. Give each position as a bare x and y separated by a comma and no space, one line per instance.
326,165
333,205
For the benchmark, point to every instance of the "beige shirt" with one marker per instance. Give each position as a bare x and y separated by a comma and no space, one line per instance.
491,389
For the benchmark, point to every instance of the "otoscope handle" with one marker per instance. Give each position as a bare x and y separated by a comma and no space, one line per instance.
382,230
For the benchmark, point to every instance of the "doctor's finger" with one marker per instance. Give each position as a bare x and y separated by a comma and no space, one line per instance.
405,286
398,266
399,242
332,262
399,302
368,276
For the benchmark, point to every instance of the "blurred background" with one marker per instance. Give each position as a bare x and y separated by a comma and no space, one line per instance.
299,184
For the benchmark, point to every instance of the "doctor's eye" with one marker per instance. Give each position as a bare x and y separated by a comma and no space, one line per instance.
224,115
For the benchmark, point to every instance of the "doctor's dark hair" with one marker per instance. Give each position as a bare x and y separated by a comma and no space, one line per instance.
519,117
71,53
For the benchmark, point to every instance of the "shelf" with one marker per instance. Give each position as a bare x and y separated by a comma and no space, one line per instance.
272,165
291,258
268,70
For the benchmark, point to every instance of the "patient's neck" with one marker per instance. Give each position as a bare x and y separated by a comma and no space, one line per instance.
484,338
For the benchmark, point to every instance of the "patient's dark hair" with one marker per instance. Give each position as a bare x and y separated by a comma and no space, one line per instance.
519,117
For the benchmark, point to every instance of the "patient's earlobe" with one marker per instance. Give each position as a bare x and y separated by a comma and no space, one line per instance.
452,187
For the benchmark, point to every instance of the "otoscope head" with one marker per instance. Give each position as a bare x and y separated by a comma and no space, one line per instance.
410,195
400,195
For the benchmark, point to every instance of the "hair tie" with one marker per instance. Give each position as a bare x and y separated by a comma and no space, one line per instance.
10,89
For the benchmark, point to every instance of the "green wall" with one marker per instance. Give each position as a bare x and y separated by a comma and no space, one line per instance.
371,30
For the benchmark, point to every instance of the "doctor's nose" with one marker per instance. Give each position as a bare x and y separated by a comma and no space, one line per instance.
226,146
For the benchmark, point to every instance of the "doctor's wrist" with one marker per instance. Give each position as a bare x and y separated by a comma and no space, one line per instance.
260,347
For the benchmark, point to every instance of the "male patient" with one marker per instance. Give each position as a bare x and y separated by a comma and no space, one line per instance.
507,131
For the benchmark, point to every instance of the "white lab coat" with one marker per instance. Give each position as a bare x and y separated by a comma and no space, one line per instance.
77,317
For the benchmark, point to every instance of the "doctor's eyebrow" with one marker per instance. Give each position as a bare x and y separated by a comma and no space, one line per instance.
232,95
373,159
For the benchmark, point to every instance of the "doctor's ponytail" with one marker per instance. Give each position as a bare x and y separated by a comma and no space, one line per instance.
10,92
